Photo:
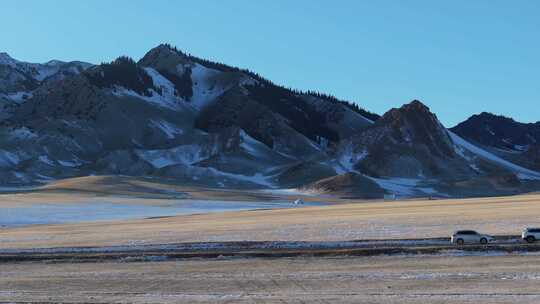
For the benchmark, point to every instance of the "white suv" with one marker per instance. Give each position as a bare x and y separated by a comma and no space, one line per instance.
461,237
530,235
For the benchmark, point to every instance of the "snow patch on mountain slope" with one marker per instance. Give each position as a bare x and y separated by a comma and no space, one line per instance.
248,143
69,163
403,186
258,178
461,152
521,148
45,159
253,146
44,71
19,97
523,173
167,87
248,81
20,176
8,159
167,128
191,154
205,87
156,99
397,186
23,133
475,168
348,159
185,154
313,144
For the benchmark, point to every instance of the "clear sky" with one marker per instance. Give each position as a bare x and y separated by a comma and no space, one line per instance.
459,57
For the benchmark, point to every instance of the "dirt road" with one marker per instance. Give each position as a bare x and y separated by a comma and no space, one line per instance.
162,252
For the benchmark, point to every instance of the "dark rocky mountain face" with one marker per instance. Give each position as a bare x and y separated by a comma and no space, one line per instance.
413,124
172,115
499,132
533,156
235,108
409,141
514,141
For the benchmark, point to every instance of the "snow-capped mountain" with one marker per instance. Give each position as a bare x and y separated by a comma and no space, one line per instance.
172,115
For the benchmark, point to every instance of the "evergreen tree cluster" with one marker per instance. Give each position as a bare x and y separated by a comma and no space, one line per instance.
225,68
124,72
302,116
351,105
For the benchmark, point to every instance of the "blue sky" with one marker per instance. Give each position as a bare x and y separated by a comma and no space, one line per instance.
458,57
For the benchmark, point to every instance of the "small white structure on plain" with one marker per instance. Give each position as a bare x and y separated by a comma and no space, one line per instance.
298,202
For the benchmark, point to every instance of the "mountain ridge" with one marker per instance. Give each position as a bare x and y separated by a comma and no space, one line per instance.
176,116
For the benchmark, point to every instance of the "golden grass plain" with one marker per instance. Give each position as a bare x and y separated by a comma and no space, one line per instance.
341,219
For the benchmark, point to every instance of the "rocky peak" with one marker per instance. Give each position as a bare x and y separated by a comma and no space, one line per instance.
407,142
416,104
163,49
411,111
414,123
163,57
